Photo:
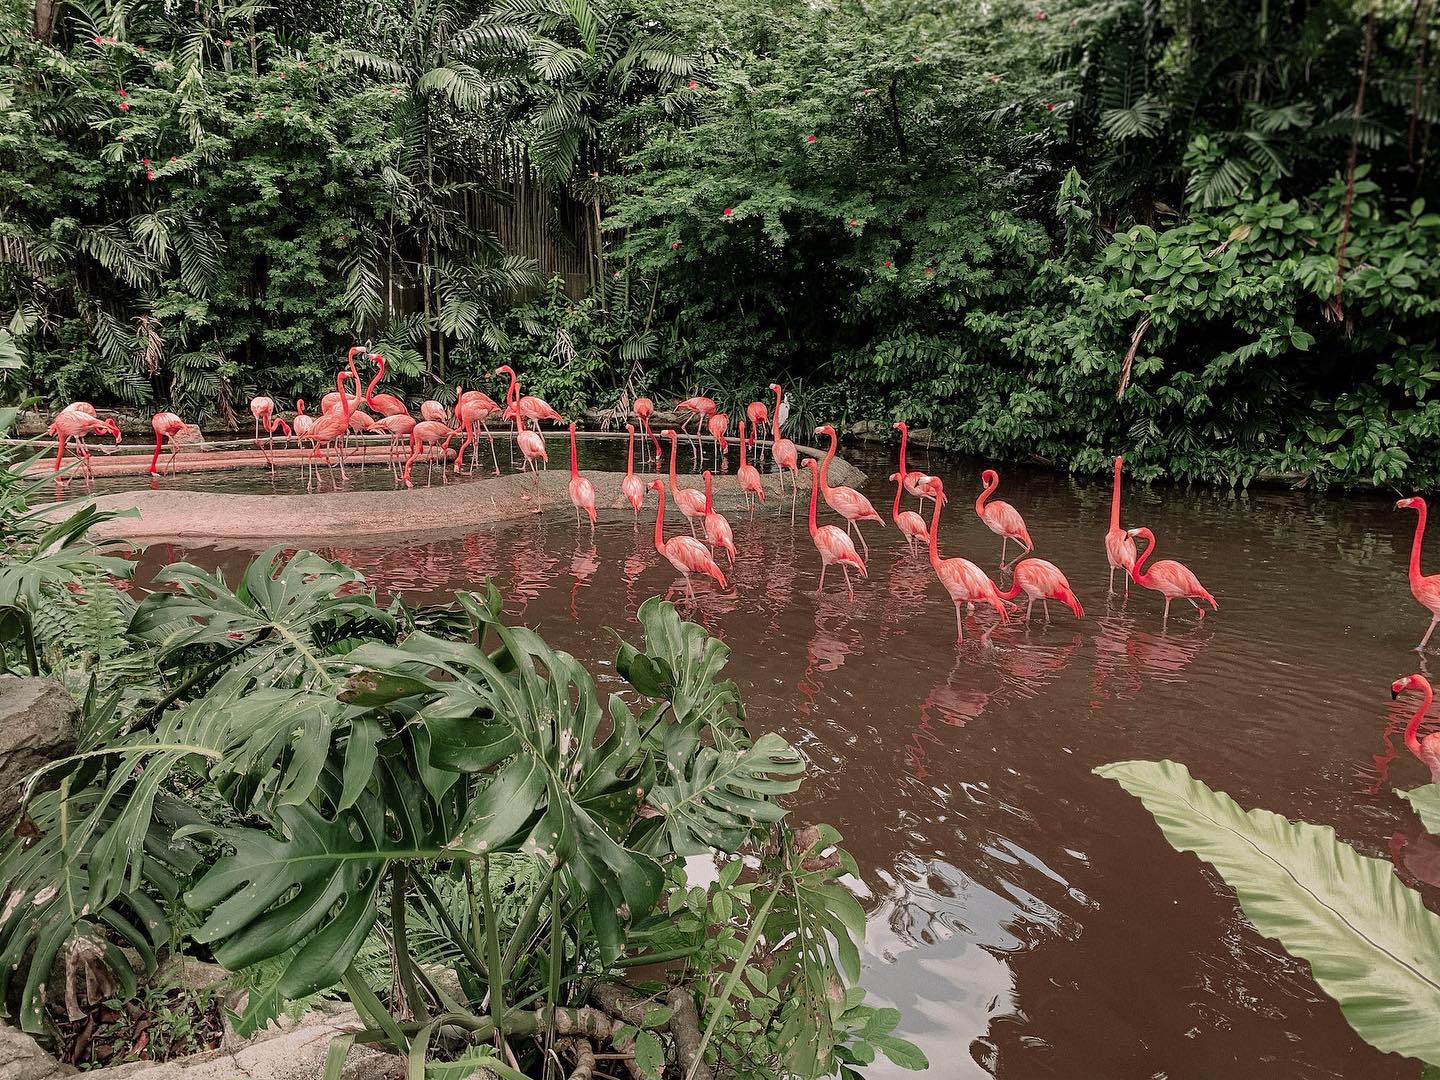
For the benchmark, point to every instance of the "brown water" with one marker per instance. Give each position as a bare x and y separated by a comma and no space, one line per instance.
1026,916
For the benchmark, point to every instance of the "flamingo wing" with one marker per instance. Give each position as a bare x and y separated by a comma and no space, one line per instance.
851,505
690,556
1004,520
835,546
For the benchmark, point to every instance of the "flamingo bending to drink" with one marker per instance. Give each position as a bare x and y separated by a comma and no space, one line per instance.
1001,518
1425,589
632,486
1043,581
687,554
845,501
1169,578
700,409
471,408
428,433
757,414
1119,545
688,501
430,409
582,492
962,579
398,427
717,529
1428,748
73,423
168,426
833,545
910,524
748,475
527,408
531,443
382,404
785,453
916,483
718,425
263,410
644,408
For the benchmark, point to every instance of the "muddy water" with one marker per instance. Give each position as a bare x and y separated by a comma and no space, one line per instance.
1026,916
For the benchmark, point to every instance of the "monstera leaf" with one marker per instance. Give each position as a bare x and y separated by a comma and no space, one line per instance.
1425,801
681,663
1371,943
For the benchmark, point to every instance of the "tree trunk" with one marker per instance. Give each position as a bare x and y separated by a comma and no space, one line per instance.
42,24
1337,304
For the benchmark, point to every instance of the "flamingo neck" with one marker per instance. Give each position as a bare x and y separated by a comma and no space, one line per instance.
630,454
775,417
904,440
1141,575
985,494
660,521
825,464
156,456
934,535
1415,574
379,374
814,498
899,487
574,465
673,485
743,462
1115,496
1412,729
709,503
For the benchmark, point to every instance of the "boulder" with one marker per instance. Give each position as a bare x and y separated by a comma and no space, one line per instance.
22,1058
37,725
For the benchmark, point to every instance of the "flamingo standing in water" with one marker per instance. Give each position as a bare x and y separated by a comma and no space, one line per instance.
531,443
1169,578
833,545
749,476
701,409
430,409
845,501
785,453
527,408
471,408
690,502
644,409
916,483
382,404
74,423
1428,748
1425,589
1043,581
361,423
168,426
758,416
331,428
717,529
1119,544
582,492
687,554
398,427
263,410
632,486
1001,518
429,434
962,579
910,524
718,425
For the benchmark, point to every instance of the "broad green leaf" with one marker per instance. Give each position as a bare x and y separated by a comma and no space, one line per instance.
1425,801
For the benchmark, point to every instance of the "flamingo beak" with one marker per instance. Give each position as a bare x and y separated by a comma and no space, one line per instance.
1394,693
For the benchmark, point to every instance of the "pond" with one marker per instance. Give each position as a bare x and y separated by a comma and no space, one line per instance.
1025,915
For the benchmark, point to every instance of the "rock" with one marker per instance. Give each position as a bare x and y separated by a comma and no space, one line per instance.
37,726
22,1058
922,436
871,431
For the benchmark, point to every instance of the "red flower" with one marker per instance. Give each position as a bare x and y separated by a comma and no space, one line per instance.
287,108
929,269
149,174
124,106
867,91
888,264
145,161
809,138
594,175
692,84
616,274
140,48
1039,15
228,42
995,78
729,212
1050,107
854,222
674,244
122,92
98,41
172,157
343,238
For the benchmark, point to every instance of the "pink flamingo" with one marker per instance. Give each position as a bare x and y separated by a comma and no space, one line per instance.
80,406
785,453
845,501
303,421
700,409
910,524
1000,517
1043,581
582,492
749,476
431,409
1169,578
916,483
528,408
690,502
429,434
471,408
168,426
399,427
757,414
263,410
1119,545
833,545
1425,589
330,429
717,528
382,404
718,424
1428,748
644,409
632,486
962,579
331,401
74,423
685,553
531,443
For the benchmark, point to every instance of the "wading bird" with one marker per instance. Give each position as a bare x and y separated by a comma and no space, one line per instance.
263,410
1169,578
910,524
398,427
758,416
962,579
382,404
632,486
1119,545
688,501
644,409
72,423
718,425
472,408
582,492
1000,517
1425,589
1043,581
700,409
1428,748
331,428
717,528
845,501
916,483
833,545
429,434
169,427
528,408
687,554
303,421
430,409
749,476
785,453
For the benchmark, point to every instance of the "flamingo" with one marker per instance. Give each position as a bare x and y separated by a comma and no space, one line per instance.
331,428
74,423
582,492
685,553
382,404
910,524
833,545
632,486
845,501
1043,581
331,401
1119,545
690,502
785,453
718,424
80,406
717,528
962,579
1428,748
916,483
1000,517
303,421
471,408
644,408
531,443
1169,578
527,408
757,414
263,410
398,426
431,409
1425,589
428,433
748,475
168,426
701,409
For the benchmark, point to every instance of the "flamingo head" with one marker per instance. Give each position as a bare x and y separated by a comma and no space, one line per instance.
937,490
1119,461
827,430
808,463
668,433
657,485
629,429
1415,503
1409,682
775,388
111,428
572,427
350,356
899,425
300,406
504,369
989,476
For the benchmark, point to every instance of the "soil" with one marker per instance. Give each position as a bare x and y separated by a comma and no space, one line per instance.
157,1026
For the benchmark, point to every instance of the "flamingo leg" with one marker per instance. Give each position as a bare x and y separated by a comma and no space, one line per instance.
1046,605
1003,541
1429,630
1165,618
1029,608
823,567
848,587
959,625
174,452
1112,579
